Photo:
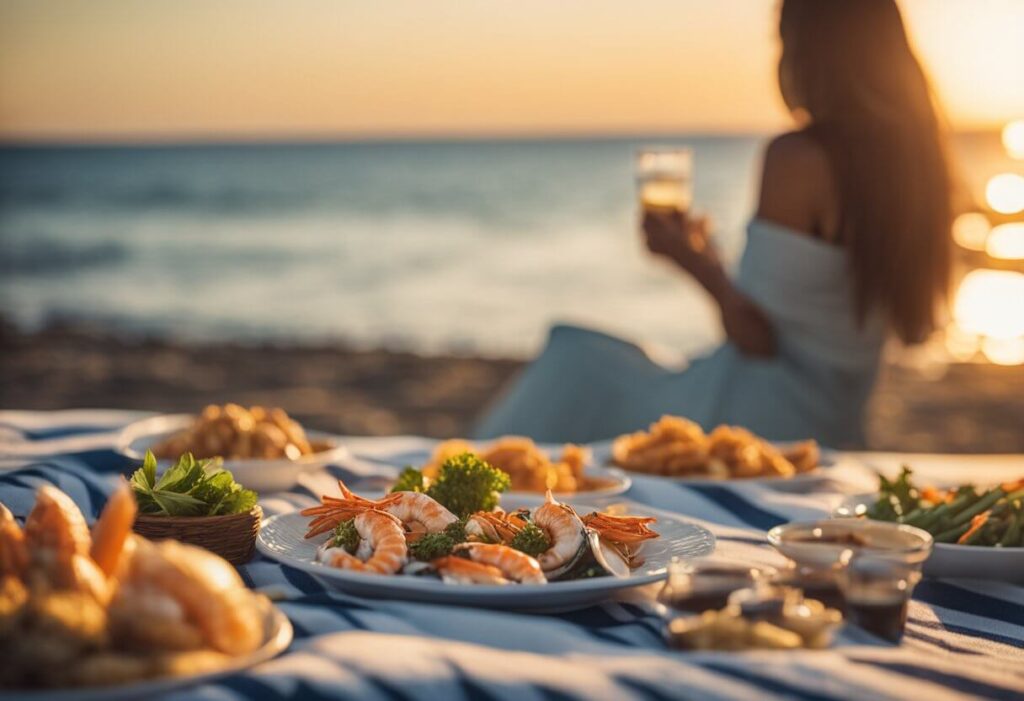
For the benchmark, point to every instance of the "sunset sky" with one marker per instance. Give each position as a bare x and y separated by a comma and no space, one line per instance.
121,69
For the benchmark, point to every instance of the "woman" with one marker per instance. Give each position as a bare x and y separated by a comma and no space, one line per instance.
850,244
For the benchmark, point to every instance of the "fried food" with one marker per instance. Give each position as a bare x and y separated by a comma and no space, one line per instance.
234,432
529,468
678,447
107,606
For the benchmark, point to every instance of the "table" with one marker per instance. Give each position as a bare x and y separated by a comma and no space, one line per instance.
964,638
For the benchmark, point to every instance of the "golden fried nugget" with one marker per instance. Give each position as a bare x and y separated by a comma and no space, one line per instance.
529,468
234,432
676,446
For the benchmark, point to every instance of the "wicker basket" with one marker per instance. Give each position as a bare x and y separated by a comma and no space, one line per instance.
233,537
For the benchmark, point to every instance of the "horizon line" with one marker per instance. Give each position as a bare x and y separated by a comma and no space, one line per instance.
313,138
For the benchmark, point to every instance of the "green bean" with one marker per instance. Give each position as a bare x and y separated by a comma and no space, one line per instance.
1013,496
978,507
931,517
1012,534
951,535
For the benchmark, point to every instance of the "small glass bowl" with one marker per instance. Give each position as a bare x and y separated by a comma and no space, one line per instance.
705,584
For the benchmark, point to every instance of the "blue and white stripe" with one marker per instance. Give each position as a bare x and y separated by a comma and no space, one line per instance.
964,638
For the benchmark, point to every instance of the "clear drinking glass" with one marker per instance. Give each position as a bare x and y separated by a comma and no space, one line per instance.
877,590
664,178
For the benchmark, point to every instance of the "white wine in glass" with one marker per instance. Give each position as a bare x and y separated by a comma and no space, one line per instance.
664,178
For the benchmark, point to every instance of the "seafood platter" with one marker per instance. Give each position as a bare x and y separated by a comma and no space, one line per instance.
104,613
448,540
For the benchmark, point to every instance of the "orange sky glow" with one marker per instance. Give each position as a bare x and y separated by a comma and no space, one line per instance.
128,69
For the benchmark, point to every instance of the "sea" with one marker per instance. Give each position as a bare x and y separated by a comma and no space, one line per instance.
466,247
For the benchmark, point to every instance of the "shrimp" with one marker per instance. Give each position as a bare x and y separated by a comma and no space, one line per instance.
627,530
416,511
459,570
57,539
382,546
564,529
13,551
513,564
494,526
112,529
174,595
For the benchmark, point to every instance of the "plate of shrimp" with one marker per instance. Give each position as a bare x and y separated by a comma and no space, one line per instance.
407,545
103,613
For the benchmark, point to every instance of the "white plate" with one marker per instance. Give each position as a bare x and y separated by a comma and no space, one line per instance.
278,636
603,456
282,539
262,475
956,561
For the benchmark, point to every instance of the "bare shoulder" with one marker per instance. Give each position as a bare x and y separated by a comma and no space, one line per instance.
796,185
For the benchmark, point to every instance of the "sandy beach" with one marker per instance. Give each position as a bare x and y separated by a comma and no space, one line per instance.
971,408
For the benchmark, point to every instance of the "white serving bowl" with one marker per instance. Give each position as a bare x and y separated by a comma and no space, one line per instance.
262,475
949,560
820,544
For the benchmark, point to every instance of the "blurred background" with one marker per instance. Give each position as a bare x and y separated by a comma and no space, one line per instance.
369,213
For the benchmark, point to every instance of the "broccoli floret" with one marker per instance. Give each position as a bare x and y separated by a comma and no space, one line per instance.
435,545
431,546
346,536
411,480
532,540
466,484
456,530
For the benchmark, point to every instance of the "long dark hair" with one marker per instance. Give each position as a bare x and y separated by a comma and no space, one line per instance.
848,65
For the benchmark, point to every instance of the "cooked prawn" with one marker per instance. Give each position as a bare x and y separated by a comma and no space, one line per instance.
170,586
494,526
416,511
626,530
13,551
382,544
513,564
112,529
58,542
564,529
459,570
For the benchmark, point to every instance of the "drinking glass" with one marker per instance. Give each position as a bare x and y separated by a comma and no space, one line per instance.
664,178
877,590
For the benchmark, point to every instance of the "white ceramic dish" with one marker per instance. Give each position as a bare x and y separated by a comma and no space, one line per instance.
603,456
282,539
278,636
814,543
262,475
949,560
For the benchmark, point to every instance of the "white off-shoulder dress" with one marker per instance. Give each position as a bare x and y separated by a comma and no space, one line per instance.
588,386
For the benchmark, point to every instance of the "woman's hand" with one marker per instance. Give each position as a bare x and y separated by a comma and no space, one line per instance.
680,238
685,240
746,324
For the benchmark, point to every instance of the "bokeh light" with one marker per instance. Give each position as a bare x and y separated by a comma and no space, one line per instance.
1007,242
1013,138
990,303
1004,351
1005,193
970,230
961,345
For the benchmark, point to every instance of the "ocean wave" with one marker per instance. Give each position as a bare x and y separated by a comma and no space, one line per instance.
50,257
158,196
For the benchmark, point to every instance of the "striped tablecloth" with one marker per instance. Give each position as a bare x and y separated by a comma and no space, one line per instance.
964,638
